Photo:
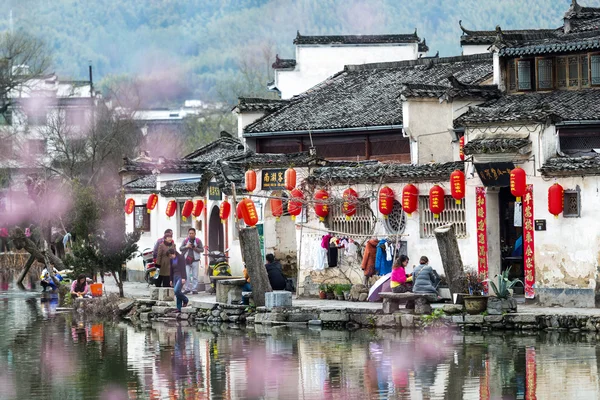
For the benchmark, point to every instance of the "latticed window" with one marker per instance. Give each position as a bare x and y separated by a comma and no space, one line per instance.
544,73
595,69
524,74
361,224
561,72
512,76
453,214
585,72
396,221
572,204
573,71
183,225
141,219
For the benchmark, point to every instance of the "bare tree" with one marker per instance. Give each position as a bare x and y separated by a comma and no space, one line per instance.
22,58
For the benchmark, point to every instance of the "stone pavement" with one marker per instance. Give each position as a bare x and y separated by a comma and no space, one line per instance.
140,290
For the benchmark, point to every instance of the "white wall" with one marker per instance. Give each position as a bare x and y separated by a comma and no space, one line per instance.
314,64
470,49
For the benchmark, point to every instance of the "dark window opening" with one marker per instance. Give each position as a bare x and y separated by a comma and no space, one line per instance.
580,142
524,74
544,74
572,204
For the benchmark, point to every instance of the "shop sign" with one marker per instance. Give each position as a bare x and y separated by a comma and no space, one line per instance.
273,179
495,174
214,191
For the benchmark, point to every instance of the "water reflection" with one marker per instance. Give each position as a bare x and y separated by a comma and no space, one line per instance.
45,355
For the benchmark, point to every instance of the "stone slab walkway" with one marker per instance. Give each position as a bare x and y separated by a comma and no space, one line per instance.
140,290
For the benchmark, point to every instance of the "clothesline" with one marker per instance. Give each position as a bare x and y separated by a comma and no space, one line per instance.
351,234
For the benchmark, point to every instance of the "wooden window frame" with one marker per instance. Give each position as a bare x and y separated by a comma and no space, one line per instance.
590,68
578,78
577,195
585,66
552,74
556,72
511,71
145,218
532,66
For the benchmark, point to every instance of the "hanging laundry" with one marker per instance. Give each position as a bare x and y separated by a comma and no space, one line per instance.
320,256
389,251
333,255
382,265
518,217
369,258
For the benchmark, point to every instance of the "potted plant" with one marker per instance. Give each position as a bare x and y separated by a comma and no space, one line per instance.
503,301
476,300
346,290
322,291
339,292
330,292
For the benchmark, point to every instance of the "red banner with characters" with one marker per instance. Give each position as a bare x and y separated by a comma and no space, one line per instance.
528,247
530,373
482,264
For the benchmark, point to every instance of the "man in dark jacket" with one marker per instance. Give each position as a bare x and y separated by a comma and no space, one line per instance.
275,272
178,277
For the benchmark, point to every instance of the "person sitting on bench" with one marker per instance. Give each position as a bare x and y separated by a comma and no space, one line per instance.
423,277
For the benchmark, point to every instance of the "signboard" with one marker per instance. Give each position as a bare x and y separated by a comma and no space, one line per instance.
528,248
540,224
214,191
482,266
273,179
495,174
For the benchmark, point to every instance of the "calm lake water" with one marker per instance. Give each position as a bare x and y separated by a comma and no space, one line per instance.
45,355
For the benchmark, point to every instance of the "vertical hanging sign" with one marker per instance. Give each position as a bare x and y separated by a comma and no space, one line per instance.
482,265
528,247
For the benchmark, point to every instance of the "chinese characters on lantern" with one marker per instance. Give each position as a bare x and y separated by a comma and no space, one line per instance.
482,266
528,246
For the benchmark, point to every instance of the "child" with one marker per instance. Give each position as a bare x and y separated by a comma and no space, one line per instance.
400,282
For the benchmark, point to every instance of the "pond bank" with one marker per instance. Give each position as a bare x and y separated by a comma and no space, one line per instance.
353,316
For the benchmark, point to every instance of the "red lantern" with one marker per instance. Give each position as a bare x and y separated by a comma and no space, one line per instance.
290,178
295,203
321,208
436,201
186,211
386,201
457,185
350,199
224,211
250,180
276,208
238,210
518,184
129,206
556,199
198,207
249,213
410,198
461,148
152,201
171,208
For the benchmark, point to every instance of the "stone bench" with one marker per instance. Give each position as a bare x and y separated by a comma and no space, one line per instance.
229,291
392,301
278,298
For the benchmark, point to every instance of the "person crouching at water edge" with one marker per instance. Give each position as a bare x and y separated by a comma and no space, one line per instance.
47,281
178,277
80,288
401,282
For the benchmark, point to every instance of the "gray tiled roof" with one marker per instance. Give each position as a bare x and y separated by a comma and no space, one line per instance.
283,63
180,189
144,183
168,165
220,149
357,39
377,173
558,105
559,43
368,95
457,90
258,104
494,146
472,37
571,166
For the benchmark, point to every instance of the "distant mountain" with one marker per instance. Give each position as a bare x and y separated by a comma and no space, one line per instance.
213,49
